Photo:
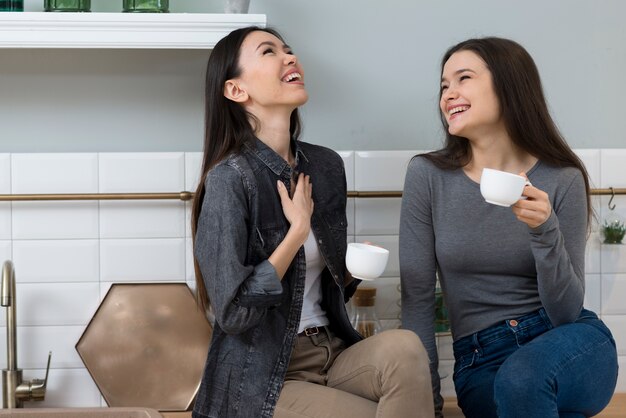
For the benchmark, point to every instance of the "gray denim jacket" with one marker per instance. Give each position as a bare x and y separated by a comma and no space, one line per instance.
257,315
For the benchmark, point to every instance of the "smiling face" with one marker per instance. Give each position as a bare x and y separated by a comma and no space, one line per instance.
271,76
468,100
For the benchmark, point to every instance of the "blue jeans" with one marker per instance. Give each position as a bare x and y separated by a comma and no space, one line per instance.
527,368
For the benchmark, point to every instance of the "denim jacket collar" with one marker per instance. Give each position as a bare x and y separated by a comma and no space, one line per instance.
271,159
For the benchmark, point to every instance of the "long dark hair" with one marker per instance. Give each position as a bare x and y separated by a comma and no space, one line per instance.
227,124
517,85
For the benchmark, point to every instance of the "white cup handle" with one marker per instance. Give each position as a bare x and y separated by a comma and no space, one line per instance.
528,183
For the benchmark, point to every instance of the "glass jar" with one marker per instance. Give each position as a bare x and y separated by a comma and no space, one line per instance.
67,5
146,6
364,318
11,5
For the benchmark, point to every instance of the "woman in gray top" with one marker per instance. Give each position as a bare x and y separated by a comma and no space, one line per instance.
269,226
513,278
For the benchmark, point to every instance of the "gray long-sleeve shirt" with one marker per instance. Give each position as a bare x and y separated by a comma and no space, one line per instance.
491,266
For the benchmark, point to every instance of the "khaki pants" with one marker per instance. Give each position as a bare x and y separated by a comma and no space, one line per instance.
383,376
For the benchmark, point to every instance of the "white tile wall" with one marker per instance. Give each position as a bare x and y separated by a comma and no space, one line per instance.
5,251
67,254
55,220
593,253
381,170
190,275
591,160
193,166
5,188
34,343
54,173
137,172
5,173
621,377
617,325
142,219
593,292
56,304
142,172
612,294
56,261
377,216
5,220
130,260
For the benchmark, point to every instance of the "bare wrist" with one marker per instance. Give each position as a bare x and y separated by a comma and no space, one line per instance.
299,232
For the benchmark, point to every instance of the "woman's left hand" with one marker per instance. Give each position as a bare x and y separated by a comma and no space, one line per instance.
535,209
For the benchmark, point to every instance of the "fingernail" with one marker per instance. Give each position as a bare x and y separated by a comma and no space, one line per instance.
280,184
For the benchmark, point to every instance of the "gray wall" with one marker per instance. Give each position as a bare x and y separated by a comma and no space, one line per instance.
372,71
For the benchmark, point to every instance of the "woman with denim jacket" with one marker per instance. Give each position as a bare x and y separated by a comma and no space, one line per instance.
513,278
269,226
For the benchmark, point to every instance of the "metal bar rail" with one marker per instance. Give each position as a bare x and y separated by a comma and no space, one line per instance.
187,196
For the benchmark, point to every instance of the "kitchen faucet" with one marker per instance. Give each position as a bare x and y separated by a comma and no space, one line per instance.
14,390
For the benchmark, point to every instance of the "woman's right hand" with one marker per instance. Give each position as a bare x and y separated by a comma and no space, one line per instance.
299,208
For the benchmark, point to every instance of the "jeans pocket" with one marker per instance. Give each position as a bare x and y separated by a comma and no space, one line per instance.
464,362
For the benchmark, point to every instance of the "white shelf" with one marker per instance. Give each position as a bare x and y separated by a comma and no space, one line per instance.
120,30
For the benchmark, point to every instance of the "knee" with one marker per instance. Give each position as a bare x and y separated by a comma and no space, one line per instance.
515,381
401,345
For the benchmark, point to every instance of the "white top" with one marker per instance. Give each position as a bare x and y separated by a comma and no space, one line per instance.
312,313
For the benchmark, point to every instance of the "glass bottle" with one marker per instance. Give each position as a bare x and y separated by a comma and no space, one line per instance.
148,6
67,5
364,318
11,5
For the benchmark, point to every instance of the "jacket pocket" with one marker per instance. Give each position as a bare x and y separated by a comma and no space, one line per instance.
267,239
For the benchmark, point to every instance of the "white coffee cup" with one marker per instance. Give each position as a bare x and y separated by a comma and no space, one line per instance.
502,188
365,261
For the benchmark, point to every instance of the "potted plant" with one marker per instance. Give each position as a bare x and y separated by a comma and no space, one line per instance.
613,231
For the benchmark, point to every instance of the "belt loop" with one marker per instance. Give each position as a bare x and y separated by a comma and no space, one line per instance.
327,331
475,341
544,315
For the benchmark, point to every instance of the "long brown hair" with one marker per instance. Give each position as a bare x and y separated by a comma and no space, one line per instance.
227,125
517,85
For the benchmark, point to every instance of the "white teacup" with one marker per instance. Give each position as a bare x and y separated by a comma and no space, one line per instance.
501,188
365,261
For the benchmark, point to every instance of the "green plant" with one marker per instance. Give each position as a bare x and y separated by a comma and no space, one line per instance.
442,324
613,231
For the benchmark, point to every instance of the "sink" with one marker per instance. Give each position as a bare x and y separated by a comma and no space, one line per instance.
81,412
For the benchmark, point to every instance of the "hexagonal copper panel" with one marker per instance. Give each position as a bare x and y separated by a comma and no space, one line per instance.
146,346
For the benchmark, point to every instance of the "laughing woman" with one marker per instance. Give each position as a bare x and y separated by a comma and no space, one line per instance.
269,224
513,278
